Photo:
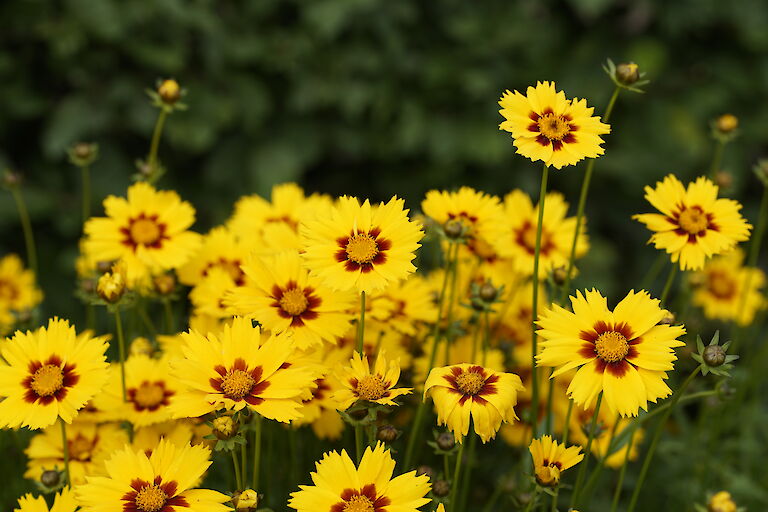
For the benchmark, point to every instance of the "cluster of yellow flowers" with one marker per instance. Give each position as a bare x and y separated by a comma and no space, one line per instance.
308,311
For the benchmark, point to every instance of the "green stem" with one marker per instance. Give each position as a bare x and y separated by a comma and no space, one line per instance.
243,464
467,479
653,271
90,317
548,416
257,424
493,499
622,473
592,480
587,451
361,325
668,284
529,507
567,421
170,326
26,225
359,442
455,482
717,157
121,348
655,440
446,466
151,330
65,449
534,315
238,478
85,172
152,158
582,203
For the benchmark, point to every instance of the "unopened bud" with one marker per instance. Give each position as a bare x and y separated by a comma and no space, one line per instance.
441,488
761,171
668,318
726,123
714,355
547,476
50,478
11,179
111,286
169,91
627,73
88,285
453,229
164,284
387,433
488,292
83,153
224,427
559,274
446,441
426,470
723,179
104,266
721,502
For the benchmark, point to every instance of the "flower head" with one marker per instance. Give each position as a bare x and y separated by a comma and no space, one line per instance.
479,216
111,285
375,385
548,127
63,502
721,502
220,248
694,223
623,353
551,458
50,373
18,291
465,390
339,486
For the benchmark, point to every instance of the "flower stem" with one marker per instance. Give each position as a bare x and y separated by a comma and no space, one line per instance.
587,451
257,424
534,416
452,502
238,478
529,507
361,325
152,158
655,440
564,441
668,284
717,158
170,326
85,172
65,449
622,473
121,349
592,480
583,201
26,226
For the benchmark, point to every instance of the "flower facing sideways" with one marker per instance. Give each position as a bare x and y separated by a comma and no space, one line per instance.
360,383
551,458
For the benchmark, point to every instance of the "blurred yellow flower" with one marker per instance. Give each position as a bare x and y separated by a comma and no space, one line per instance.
63,501
551,458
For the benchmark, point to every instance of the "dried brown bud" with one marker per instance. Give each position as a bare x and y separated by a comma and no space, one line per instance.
387,433
50,478
11,179
83,153
441,488
446,441
559,274
723,179
488,292
426,470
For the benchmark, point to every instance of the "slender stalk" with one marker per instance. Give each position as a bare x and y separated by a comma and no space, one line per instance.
529,507
592,480
467,478
717,158
453,251
668,284
583,201
548,416
655,440
152,158
85,172
361,325
238,478
622,473
257,423
452,503
446,466
26,226
567,421
535,313
146,320
653,271
243,464
170,325
493,499
451,300
121,349
65,449
587,451
359,445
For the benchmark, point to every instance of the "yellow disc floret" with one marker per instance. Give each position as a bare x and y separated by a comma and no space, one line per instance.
611,346
294,302
362,248
144,231
149,395
553,127
47,380
470,383
693,220
359,504
237,383
151,498
370,387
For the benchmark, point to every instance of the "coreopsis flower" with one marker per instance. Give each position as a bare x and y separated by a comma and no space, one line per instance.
220,248
622,353
284,297
721,502
234,370
547,126
48,374
89,446
479,216
64,501
340,486
275,224
377,337
557,232
18,291
209,294
319,410
148,230
465,390
112,284
719,288
404,305
178,432
694,224
149,390
551,458
361,247
158,483
462,350
375,385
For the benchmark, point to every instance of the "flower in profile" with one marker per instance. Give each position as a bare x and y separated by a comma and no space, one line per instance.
728,290
361,247
557,232
148,230
694,224
340,486
64,501
465,390
18,291
624,353
50,373
547,126
89,446
284,297
478,216
234,370
161,482
551,458
220,248
112,284
721,502
376,385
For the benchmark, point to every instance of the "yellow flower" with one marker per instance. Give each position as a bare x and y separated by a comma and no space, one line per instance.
320,409
283,297
111,285
461,350
177,432
161,481
63,502
18,291
719,288
360,383
209,294
235,370
556,233
169,91
551,458
247,499
361,247
693,224
340,486
402,306
220,248
480,215
50,373
623,353
721,502
548,127
148,230
465,390
89,446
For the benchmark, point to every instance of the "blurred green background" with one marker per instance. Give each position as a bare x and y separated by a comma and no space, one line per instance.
367,97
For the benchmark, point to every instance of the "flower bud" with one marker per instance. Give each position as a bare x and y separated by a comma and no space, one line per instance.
714,355
104,266
11,179
387,433
726,123
50,478
426,470
547,476
111,286
224,427
141,346
441,488
488,292
169,91
723,179
559,274
247,499
668,318
721,502
627,73
453,229
88,285
446,441
165,284
83,154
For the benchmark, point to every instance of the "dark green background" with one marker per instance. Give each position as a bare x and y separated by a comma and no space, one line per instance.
368,97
